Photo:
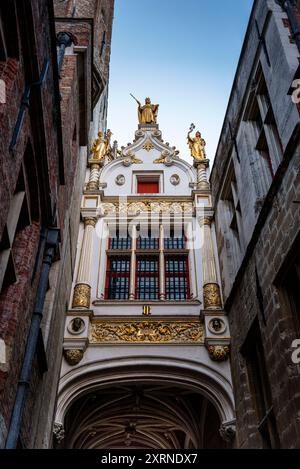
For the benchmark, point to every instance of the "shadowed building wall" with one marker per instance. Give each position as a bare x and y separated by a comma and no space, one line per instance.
255,184
54,66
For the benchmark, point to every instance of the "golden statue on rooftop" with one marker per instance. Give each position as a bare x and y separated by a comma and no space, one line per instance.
197,145
101,146
148,112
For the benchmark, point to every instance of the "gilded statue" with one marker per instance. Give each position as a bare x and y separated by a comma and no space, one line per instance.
148,112
101,146
197,145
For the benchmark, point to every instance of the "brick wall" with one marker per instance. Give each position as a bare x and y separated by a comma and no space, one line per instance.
16,300
52,163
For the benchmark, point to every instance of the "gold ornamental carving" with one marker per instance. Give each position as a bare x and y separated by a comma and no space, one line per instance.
205,221
82,296
73,356
146,332
92,186
146,310
165,158
218,353
211,295
90,222
148,146
160,160
130,158
147,206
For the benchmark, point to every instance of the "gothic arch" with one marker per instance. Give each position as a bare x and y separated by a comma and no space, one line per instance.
170,373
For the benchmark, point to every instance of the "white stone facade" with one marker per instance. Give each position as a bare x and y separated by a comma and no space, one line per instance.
191,353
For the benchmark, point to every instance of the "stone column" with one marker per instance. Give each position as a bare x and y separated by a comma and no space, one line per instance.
162,288
95,168
93,183
82,290
202,182
211,289
132,264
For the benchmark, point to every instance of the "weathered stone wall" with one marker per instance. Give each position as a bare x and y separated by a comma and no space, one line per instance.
268,226
278,331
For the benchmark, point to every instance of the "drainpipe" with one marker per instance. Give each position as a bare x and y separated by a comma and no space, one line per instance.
63,40
50,242
25,105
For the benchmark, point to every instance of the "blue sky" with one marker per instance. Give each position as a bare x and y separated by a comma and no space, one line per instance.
181,53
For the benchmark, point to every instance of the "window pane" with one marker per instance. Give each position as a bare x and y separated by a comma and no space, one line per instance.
147,279
147,242
119,242
176,239
177,285
117,280
148,187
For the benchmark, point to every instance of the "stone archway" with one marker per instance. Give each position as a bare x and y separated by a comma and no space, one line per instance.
149,407
143,415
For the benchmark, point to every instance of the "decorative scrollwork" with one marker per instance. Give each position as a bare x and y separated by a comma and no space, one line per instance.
130,158
165,158
146,206
141,331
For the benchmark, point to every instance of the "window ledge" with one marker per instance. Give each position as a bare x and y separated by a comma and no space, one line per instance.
146,302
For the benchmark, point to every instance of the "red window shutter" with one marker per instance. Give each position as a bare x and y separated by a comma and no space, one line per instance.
148,187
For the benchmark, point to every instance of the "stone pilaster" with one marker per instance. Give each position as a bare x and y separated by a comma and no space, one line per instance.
211,289
82,290
202,182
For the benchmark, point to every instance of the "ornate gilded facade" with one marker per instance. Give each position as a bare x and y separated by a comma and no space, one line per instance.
146,303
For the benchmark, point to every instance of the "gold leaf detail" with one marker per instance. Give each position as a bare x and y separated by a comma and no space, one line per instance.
148,146
146,332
